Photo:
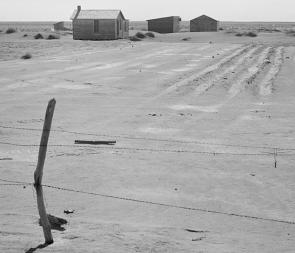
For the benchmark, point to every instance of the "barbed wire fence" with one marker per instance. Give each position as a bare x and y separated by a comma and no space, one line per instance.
21,183
268,151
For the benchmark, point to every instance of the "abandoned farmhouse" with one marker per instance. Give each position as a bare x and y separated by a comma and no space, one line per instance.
99,25
112,25
164,25
204,24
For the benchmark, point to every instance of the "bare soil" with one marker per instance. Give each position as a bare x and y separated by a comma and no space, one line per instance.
197,124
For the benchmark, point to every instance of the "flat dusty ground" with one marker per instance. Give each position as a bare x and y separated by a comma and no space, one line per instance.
196,123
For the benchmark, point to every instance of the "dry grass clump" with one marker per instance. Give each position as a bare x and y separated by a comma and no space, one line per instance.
10,30
140,35
290,32
38,36
53,37
134,38
246,34
187,39
150,35
26,56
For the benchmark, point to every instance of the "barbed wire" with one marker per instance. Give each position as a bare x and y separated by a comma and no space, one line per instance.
148,149
18,183
123,136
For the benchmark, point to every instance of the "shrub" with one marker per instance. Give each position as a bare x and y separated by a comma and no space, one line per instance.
150,34
53,37
239,34
248,34
134,38
290,32
26,56
251,34
25,35
221,29
10,30
140,35
38,36
187,39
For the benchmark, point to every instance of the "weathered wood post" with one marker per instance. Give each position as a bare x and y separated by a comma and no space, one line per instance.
39,172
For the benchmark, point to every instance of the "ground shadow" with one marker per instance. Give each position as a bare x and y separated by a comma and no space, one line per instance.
40,246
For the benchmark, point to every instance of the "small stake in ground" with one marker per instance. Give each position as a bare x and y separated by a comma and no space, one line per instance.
39,172
275,153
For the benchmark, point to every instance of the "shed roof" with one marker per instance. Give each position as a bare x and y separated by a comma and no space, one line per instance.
204,17
96,14
170,17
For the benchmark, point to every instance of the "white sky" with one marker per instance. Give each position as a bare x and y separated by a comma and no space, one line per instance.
136,10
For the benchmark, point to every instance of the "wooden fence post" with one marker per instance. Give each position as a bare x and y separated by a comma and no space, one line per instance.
39,172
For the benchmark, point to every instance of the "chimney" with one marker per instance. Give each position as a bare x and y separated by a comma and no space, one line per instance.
77,12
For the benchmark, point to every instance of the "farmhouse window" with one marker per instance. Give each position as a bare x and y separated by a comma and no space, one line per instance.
96,26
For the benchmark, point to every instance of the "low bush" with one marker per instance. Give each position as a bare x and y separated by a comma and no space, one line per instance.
239,34
25,35
290,32
134,38
10,30
251,34
38,36
150,34
26,56
53,37
247,34
140,35
187,39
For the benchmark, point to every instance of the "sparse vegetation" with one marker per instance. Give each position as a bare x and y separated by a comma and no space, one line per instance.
38,36
140,35
150,34
251,34
246,34
290,32
26,56
10,30
53,37
134,38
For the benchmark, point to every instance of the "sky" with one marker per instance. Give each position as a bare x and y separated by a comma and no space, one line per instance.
137,10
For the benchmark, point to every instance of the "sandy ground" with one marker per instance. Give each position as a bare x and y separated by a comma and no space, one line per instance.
196,123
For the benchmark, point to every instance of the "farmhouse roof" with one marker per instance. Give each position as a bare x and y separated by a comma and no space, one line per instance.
155,19
96,14
204,16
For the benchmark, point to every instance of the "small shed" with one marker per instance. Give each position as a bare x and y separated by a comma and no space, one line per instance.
164,25
99,25
204,24
60,26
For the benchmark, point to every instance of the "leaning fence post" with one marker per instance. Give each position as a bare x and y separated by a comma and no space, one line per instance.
39,172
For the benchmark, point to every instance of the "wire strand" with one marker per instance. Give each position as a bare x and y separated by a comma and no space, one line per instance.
152,139
158,203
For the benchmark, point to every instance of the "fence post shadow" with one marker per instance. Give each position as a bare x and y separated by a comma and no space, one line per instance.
40,246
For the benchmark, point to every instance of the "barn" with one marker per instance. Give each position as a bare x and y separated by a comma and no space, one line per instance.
164,25
204,24
99,25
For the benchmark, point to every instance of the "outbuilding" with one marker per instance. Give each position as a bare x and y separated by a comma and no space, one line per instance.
99,25
164,25
204,24
60,26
